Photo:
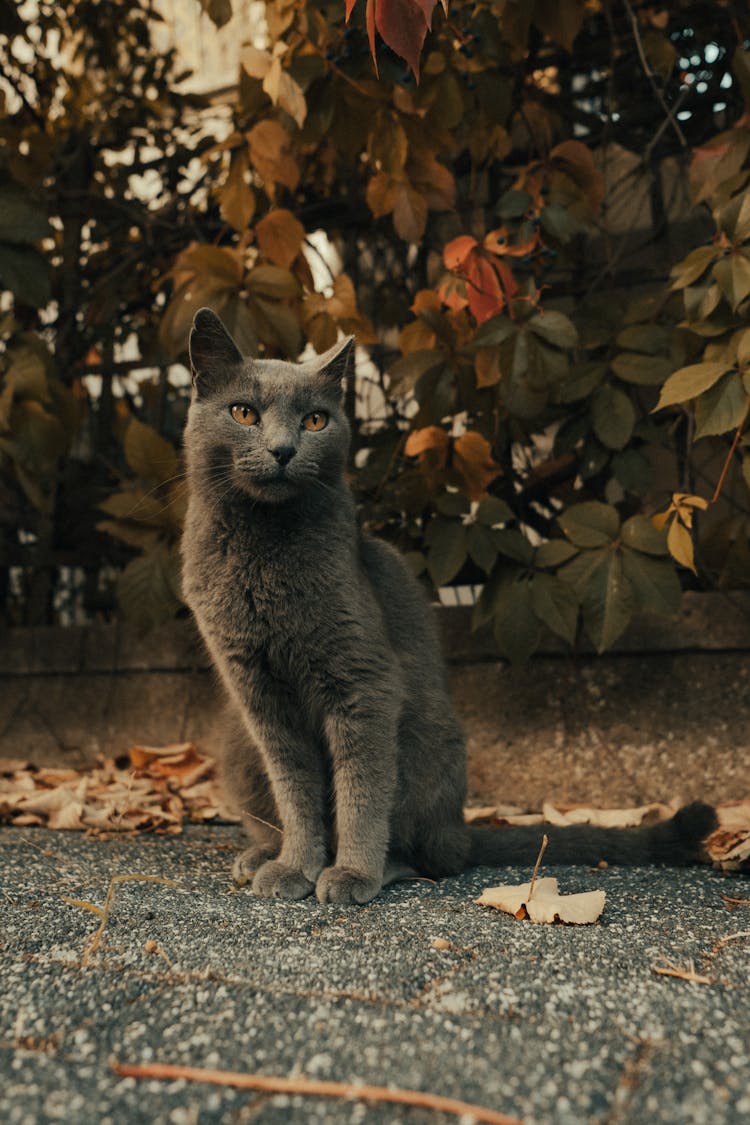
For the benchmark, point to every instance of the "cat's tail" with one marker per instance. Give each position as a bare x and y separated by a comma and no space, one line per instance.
675,842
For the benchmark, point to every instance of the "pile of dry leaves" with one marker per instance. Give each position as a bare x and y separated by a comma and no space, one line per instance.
152,789
157,789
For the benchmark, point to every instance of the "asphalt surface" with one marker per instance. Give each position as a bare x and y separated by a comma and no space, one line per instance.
546,1023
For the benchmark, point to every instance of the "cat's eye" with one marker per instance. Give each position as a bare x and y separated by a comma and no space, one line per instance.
318,420
243,414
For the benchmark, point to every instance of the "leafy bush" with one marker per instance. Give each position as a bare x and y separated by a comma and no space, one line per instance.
538,381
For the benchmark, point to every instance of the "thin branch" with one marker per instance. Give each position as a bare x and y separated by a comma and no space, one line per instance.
275,1085
730,455
650,74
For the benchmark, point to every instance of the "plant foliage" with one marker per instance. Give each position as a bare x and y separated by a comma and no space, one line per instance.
560,374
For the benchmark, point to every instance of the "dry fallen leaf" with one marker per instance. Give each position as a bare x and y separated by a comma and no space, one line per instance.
159,789
565,815
545,904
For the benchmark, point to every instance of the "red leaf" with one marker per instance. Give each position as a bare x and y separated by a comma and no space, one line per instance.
349,8
403,25
370,21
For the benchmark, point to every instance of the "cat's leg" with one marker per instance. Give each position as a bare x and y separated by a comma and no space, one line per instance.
295,770
247,789
362,745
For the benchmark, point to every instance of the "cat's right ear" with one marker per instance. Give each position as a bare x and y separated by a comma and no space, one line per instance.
213,352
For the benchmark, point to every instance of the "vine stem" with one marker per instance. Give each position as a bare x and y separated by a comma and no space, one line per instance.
277,1085
730,455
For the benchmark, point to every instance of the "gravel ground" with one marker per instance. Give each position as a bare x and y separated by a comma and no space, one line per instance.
545,1023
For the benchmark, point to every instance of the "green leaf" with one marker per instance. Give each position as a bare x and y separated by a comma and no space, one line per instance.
643,370
649,338
608,603
25,273
20,219
554,553
654,582
733,277
492,510
591,524
272,281
405,372
722,408
579,570
555,603
493,331
149,455
452,504
633,471
446,541
516,626
148,588
613,417
584,378
640,534
481,546
416,562
557,222
513,204
694,266
513,545
555,328
689,382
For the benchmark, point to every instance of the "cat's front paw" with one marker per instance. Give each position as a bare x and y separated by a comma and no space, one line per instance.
278,880
248,862
345,886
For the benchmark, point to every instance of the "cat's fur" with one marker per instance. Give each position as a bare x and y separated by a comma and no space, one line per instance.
341,749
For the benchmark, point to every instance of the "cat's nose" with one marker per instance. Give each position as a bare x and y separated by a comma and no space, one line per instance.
283,453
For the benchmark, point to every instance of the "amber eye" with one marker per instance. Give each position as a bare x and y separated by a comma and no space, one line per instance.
243,414
315,421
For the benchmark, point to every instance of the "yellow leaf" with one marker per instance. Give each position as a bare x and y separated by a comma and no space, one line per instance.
680,544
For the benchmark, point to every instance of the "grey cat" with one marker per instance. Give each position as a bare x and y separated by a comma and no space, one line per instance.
341,748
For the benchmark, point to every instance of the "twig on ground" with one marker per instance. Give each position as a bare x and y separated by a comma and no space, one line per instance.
689,973
545,841
278,1085
103,912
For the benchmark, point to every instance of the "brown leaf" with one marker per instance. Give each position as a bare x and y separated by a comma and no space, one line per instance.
473,461
280,236
270,148
237,199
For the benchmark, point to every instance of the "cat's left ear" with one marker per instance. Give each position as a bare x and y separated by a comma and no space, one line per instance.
213,352
337,362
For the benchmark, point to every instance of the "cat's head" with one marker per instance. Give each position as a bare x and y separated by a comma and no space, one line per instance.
270,428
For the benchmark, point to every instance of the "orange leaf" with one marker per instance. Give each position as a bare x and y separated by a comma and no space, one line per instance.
487,297
280,236
457,251
473,461
430,437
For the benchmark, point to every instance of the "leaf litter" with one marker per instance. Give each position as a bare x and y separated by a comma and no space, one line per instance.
159,788
156,789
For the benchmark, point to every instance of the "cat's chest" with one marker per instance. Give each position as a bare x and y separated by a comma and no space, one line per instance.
244,588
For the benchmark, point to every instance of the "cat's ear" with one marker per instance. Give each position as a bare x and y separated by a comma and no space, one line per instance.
213,352
337,362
